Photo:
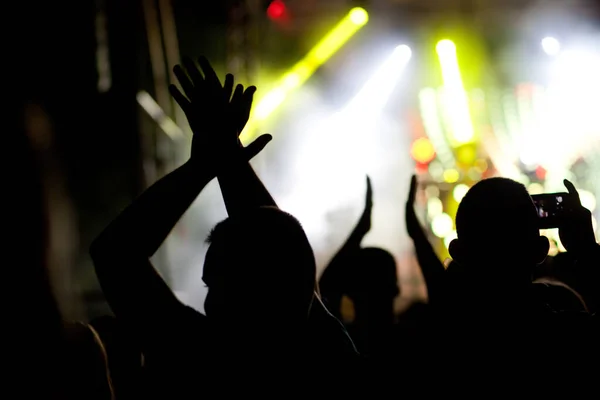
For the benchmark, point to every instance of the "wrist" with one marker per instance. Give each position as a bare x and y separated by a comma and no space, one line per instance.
232,162
200,171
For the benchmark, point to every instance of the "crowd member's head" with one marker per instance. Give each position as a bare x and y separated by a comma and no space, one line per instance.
260,268
498,210
373,283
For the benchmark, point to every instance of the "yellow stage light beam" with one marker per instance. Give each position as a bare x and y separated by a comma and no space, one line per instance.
299,73
456,101
428,102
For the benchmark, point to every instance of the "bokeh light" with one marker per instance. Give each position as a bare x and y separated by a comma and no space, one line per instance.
422,151
451,175
551,45
434,207
359,16
442,225
449,238
459,192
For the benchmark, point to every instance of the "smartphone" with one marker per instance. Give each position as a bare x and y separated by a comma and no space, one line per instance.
551,208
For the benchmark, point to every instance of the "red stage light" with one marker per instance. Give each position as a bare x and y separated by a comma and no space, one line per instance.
276,9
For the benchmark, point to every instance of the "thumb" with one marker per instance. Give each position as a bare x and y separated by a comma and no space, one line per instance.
257,146
572,191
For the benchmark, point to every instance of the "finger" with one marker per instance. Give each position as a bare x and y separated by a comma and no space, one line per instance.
572,191
184,81
236,100
237,95
250,90
248,96
228,87
369,191
257,146
246,104
183,102
413,189
209,73
193,71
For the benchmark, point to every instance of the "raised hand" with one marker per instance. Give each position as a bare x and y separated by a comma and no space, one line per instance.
576,230
364,224
216,113
412,222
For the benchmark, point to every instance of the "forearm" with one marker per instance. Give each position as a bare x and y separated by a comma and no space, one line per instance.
134,289
431,266
242,189
146,223
331,285
588,276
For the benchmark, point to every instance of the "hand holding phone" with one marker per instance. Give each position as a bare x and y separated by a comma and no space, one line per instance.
565,212
552,208
577,231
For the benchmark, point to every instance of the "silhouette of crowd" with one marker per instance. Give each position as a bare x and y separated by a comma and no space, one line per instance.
271,327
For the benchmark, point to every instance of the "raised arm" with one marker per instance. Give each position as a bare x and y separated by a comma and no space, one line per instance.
432,268
121,253
240,186
577,235
332,283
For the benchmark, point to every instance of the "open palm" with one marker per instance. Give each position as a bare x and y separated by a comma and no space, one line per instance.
216,113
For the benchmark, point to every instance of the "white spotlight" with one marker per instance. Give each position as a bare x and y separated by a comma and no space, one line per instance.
376,92
551,46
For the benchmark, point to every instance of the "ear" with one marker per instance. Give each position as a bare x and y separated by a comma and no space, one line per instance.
542,246
456,250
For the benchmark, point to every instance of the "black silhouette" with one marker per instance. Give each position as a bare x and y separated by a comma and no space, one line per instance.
259,269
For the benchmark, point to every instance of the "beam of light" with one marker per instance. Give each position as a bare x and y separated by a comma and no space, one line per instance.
299,73
376,92
355,123
495,140
456,103
503,164
533,136
428,101
334,159
499,126
157,114
512,120
570,120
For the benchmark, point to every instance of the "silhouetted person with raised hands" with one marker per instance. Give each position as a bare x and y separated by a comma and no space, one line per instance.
260,269
368,276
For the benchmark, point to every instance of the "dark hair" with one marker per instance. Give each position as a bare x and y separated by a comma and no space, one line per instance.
373,271
266,247
496,209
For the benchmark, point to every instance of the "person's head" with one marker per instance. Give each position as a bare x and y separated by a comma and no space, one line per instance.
498,210
259,267
373,281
